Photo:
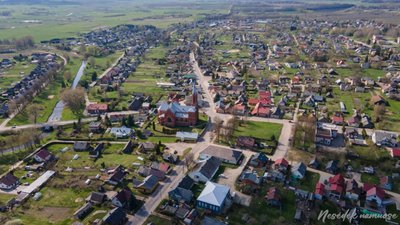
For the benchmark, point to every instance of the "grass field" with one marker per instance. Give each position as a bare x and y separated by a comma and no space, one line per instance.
59,20
157,220
351,99
260,130
4,198
14,74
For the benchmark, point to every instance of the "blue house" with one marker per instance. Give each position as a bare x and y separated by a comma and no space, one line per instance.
258,160
299,171
213,197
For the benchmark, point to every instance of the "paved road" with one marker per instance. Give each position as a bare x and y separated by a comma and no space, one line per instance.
161,193
59,108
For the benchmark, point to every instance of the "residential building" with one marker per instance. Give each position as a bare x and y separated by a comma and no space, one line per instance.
226,155
97,108
205,170
213,197
122,132
299,171
8,182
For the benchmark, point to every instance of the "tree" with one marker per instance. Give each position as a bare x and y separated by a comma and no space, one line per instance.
158,148
217,128
188,160
107,121
154,125
34,112
379,111
74,99
130,122
67,75
84,84
82,49
123,121
92,62
364,133
94,76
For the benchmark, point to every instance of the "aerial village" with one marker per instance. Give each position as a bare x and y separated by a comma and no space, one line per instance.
219,121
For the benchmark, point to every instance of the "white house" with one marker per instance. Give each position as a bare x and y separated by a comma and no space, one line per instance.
122,132
205,170
42,156
8,182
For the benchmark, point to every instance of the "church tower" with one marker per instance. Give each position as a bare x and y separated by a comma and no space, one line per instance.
195,96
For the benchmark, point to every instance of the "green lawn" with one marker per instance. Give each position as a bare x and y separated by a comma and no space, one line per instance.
157,220
259,212
369,179
309,181
15,73
4,198
351,99
260,130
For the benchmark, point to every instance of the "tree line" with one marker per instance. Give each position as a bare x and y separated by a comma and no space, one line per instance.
19,43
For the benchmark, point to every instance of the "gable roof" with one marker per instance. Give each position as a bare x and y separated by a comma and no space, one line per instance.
214,194
181,193
96,197
124,195
43,153
115,216
223,153
9,179
300,167
379,192
209,167
186,183
149,182
282,161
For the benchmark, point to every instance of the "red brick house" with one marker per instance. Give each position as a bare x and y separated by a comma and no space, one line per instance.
174,114
97,108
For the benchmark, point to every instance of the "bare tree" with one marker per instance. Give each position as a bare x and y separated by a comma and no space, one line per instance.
188,160
34,112
217,128
379,111
74,99
67,75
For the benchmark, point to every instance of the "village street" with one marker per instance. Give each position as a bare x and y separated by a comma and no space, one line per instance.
152,201
179,172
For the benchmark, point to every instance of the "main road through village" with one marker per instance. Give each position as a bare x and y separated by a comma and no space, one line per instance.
152,201
179,172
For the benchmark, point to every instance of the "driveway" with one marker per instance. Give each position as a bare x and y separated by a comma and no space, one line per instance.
230,177
179,147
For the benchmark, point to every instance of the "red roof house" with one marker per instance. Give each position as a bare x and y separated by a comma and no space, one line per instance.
97,108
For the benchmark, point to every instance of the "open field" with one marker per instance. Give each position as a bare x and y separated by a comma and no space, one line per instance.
14,74
59,20
260,130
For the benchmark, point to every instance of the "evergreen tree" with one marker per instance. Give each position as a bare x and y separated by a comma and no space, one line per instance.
130,121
